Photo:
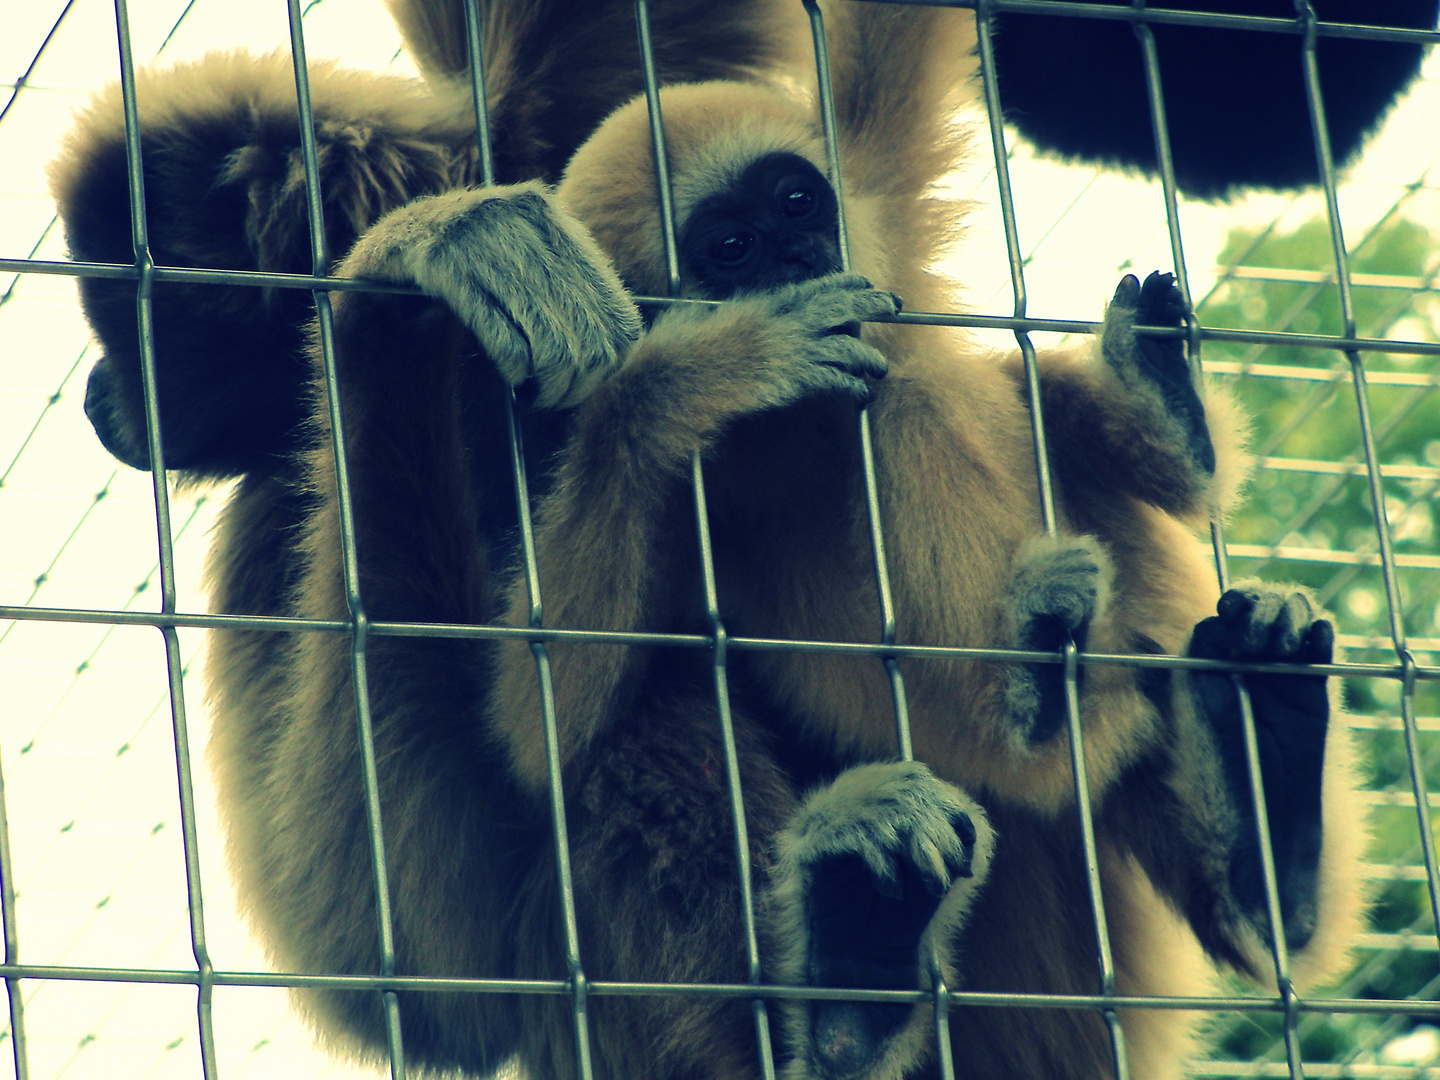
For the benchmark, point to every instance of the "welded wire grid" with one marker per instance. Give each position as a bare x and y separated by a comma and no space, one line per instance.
104,840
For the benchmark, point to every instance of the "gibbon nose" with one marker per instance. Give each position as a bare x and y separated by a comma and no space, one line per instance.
801,259
798,247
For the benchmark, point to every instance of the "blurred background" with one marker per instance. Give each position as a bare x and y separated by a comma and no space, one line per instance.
86,744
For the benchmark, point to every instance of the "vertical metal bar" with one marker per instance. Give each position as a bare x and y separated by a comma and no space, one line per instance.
1166,166
1418,785
1325,160
1090,850
360,623
12,943
1164,159
1017,272
657,140
570,924
579,985
1280,954
940,1001
904,747
732,770
135,178
754,974
475,37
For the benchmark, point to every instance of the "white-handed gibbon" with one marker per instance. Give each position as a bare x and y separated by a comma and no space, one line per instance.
864,864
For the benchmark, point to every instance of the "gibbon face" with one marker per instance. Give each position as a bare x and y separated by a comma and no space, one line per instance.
774,225
753,208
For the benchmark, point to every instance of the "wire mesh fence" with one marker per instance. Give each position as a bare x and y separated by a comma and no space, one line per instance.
1320,308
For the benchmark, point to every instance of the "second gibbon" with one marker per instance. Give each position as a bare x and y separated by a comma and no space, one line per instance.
864,865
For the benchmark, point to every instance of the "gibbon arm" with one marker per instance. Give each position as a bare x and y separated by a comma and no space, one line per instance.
1133,423
1185,811
621,492
899,74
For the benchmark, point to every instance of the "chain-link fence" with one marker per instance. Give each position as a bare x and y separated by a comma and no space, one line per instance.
1319,307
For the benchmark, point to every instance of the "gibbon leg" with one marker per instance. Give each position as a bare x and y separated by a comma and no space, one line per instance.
473,885
657,889
873,872
1261,623
1186,813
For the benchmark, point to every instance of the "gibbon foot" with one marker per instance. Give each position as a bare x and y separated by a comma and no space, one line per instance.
1060,584
874,867
522,274
1268,624
816,330
1160,361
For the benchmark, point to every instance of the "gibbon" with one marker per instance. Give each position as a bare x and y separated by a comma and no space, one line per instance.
865,866
1235,100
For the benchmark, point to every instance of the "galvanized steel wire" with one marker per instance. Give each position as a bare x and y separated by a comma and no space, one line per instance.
1402,666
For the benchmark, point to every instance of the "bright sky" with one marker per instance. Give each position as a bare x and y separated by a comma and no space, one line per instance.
85,738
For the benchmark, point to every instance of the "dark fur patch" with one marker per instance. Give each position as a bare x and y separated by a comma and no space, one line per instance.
1291,718
1159,303
1251,128
1154,682
1048,633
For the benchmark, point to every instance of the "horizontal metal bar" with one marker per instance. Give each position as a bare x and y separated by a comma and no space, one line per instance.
699,641
1398,942
254,279
113,617
1166,17
988,999
1403,798
1406,282
195,276
1388,872
1323,555
1285,339
30,86
1319,375
1349,468
1314,1070
1390,723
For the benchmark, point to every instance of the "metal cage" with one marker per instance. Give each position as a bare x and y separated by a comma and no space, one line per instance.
1372,372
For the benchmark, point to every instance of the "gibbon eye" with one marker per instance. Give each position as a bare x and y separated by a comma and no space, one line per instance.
734,249
798,202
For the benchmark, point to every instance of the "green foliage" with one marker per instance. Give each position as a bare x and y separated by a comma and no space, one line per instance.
1310,497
